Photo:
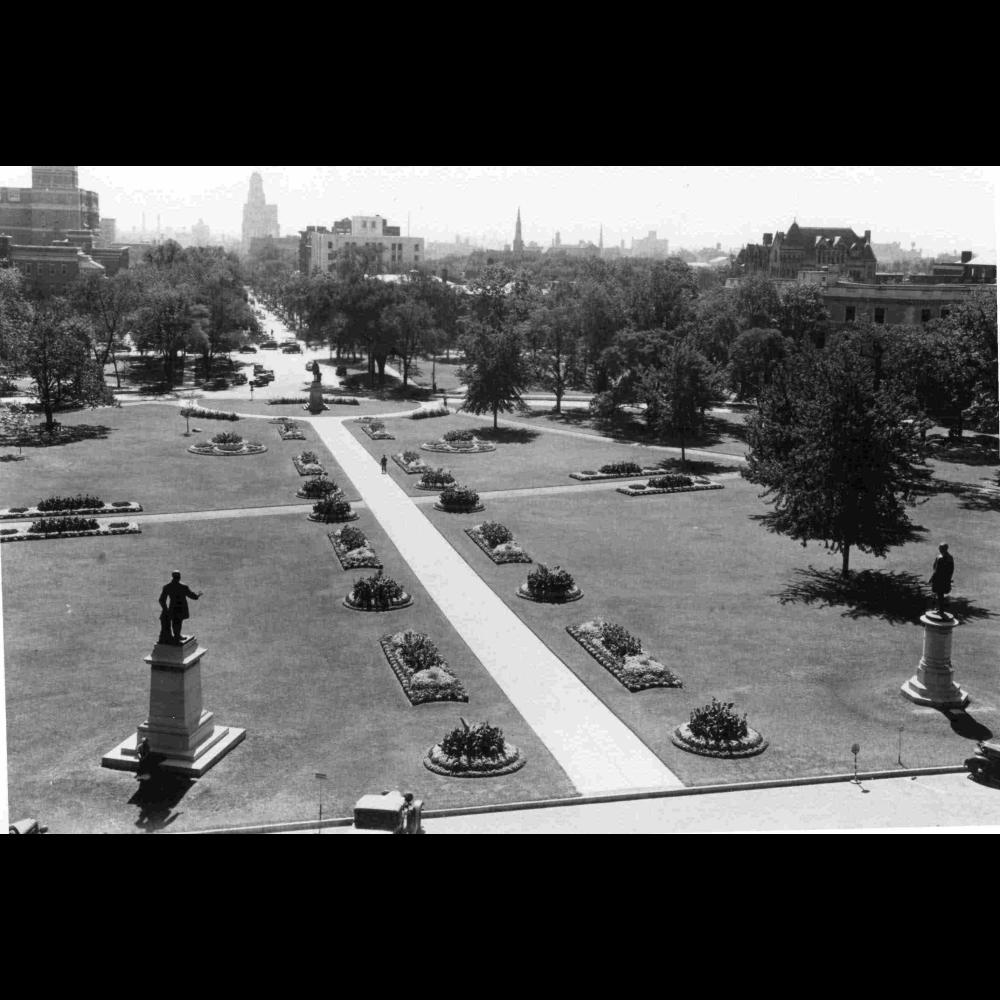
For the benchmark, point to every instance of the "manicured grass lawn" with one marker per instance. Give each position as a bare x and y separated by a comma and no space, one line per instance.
305,676
523,459
701,584
143,456
260,407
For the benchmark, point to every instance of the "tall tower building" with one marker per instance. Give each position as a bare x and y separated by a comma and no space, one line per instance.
53,208
260,220
518,236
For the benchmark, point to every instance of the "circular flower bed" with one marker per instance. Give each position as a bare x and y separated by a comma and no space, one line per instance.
459,500
333,510
227,446
377,594
435,480
318,489
546,586
717,731
474,752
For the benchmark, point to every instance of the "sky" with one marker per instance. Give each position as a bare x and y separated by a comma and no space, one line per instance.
939,208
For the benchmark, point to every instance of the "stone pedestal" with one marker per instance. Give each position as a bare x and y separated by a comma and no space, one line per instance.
316,404
934,684
180,732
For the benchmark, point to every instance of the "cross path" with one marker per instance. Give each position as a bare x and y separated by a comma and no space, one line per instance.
595,749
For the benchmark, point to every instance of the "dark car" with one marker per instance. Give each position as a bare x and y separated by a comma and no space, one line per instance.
271,345
247,349
218,385
292,349
239,379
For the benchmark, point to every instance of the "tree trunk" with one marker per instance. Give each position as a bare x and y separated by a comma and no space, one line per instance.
496,418
559,397
845,569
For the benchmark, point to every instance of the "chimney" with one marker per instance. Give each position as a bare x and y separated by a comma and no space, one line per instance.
768,239
966,256
868,236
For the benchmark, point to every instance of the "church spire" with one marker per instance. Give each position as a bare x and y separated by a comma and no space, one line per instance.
518,236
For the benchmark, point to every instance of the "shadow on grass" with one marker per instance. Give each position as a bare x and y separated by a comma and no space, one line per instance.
898,598
13,458
979,450
62,434
157,799
696,468
966,726
508,435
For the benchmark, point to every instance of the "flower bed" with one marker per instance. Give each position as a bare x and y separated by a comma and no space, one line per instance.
431,414
498,543
695,484
377,594
333,510
435,480
411,463
474,752
717,731
227,446
627,470
290,430
459,446
100,531
375,429
459,500
197,413
33,513
420,669
545,586
318,488
307,464
353,549
623,657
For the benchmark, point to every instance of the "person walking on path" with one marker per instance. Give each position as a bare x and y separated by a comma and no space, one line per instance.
385,466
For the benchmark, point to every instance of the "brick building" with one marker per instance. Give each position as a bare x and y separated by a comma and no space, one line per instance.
319,246
840,251
53,208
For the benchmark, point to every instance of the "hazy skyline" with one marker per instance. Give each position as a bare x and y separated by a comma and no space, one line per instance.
939,208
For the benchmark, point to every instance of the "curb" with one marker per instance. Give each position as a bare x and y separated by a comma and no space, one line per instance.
594,800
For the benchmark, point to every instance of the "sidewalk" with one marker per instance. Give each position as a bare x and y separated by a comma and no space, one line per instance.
598,752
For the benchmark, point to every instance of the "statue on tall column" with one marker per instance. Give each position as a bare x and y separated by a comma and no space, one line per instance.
941,579
174,604
317,374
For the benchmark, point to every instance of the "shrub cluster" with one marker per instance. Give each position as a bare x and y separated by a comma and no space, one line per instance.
670,482
437,477
482,742
546,581
319,489
341,372
333,509
718,723
619,642
419,652
80,502
199,414
376,593
309,458
341,401
459,496
495,534
352,539
621,469
376,426
409,457
453,437
429,414
227,439
58,525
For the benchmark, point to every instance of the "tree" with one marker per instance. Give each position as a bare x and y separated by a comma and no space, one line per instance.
411,321
758,303
836,458
14,422
61,364
496,374
15,318
971,331
109,304
755,356
555,325
169,321
803,316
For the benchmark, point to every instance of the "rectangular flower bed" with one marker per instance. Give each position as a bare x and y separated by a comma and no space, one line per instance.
308,468
197,413
417,468
102,531
362,557
597,477
434,683
637,672
699,486
504,554
376,432
105,510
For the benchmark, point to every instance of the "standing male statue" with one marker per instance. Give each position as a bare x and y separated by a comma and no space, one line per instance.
941,578
317,374
174,602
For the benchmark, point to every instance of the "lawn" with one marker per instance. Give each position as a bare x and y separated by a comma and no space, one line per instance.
524,459
305,676
140,453
728,607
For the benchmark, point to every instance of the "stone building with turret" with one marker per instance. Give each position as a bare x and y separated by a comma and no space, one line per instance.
837,251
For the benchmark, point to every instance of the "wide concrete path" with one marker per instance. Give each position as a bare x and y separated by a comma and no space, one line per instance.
597,751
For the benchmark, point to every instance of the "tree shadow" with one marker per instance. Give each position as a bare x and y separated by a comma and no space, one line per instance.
62,434
13,458
964,725
157,799
696,468
508,435
898,598
978,450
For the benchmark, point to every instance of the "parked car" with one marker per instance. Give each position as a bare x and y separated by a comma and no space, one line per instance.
239,379
247,349
218,385
292,349
271,345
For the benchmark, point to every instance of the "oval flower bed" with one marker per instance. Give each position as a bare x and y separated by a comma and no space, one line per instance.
474,752
377,594
78,506
459,500
68,527
375,429
459,443
227,446
420,669
318,488
616,470
622,655
498,543
353,549
717,731
307,464
333,510
545,586
662,485
411,463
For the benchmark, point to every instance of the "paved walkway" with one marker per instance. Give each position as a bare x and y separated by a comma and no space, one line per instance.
598,752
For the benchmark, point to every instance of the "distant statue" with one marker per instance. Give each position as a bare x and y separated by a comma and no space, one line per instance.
317,374
174,605
941,578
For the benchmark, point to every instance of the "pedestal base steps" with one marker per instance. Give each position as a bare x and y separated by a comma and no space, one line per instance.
933,685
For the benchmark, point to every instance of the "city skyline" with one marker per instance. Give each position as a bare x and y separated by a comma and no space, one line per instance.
940,209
